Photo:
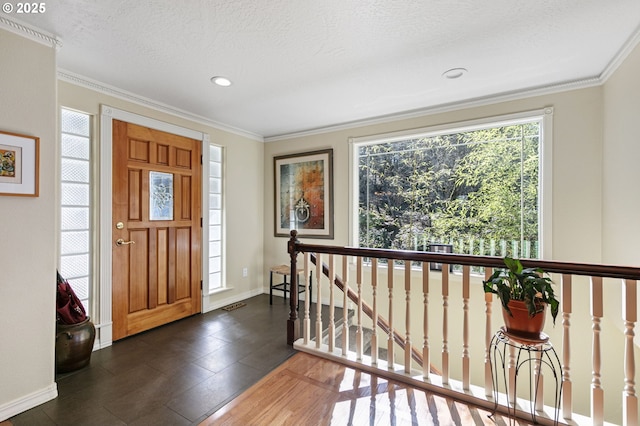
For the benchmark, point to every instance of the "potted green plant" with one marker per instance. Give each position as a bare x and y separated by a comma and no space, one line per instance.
524,293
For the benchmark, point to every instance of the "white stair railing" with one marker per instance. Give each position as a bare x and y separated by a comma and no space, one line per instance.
469,377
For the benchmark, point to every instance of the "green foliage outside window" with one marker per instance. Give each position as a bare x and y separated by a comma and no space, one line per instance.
477,190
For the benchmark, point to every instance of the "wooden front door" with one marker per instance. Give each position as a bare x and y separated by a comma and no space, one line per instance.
156,250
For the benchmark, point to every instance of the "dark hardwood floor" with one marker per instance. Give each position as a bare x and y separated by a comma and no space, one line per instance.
178,374
184,372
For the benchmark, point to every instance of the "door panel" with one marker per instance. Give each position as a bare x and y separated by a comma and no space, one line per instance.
157,268
138,272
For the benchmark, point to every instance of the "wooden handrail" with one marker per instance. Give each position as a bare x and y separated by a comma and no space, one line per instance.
573,268
569,268
597,275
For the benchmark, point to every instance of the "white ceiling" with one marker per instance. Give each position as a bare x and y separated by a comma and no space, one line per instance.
300,65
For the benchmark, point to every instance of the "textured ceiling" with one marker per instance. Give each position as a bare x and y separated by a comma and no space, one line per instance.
298,65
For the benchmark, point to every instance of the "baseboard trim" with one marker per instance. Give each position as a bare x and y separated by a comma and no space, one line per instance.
27,402
219,303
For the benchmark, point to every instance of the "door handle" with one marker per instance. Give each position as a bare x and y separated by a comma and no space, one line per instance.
121,242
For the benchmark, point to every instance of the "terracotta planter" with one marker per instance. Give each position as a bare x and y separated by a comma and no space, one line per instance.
74,344
521,325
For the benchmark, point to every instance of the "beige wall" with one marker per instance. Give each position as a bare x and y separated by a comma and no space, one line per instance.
243,183
621,199
594,204
621,156
28,231
27,291
577,169
593,214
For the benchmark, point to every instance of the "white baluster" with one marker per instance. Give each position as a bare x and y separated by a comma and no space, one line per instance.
445,324
597,393
345,305
426,356
567,385
374,328
466,271
332,320
390,341
407,340
488,335
359,313
307,294
630,317
318,300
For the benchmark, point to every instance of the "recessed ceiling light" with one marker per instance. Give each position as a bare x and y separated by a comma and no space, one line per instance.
454,73
221,81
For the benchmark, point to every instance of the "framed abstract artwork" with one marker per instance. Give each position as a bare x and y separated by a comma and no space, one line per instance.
19,164
304,194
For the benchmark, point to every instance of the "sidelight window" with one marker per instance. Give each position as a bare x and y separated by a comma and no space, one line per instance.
76,224
216,279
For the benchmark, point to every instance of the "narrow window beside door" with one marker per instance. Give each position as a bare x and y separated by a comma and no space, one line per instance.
75,262
216,281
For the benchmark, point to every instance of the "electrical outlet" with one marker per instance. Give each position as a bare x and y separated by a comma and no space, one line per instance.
245,272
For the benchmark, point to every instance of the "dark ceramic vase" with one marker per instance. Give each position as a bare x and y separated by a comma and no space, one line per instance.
74,344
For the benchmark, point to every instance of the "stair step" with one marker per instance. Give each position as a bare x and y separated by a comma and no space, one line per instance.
339,323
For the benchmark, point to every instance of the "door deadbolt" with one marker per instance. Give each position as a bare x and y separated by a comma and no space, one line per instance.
119,225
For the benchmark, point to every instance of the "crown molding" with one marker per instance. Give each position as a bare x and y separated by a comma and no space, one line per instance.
30,32
453,106
611,67
622,54
88,83
47,39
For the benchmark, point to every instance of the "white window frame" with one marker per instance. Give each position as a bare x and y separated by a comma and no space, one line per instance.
545,115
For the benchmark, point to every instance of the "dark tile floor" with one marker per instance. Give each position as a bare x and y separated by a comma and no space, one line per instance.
177,374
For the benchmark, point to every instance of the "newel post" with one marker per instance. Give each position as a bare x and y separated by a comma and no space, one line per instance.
293,323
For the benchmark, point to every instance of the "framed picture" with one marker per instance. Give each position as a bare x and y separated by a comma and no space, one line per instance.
304,194
19,164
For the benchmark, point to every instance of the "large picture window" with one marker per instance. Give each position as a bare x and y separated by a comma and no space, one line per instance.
475,187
